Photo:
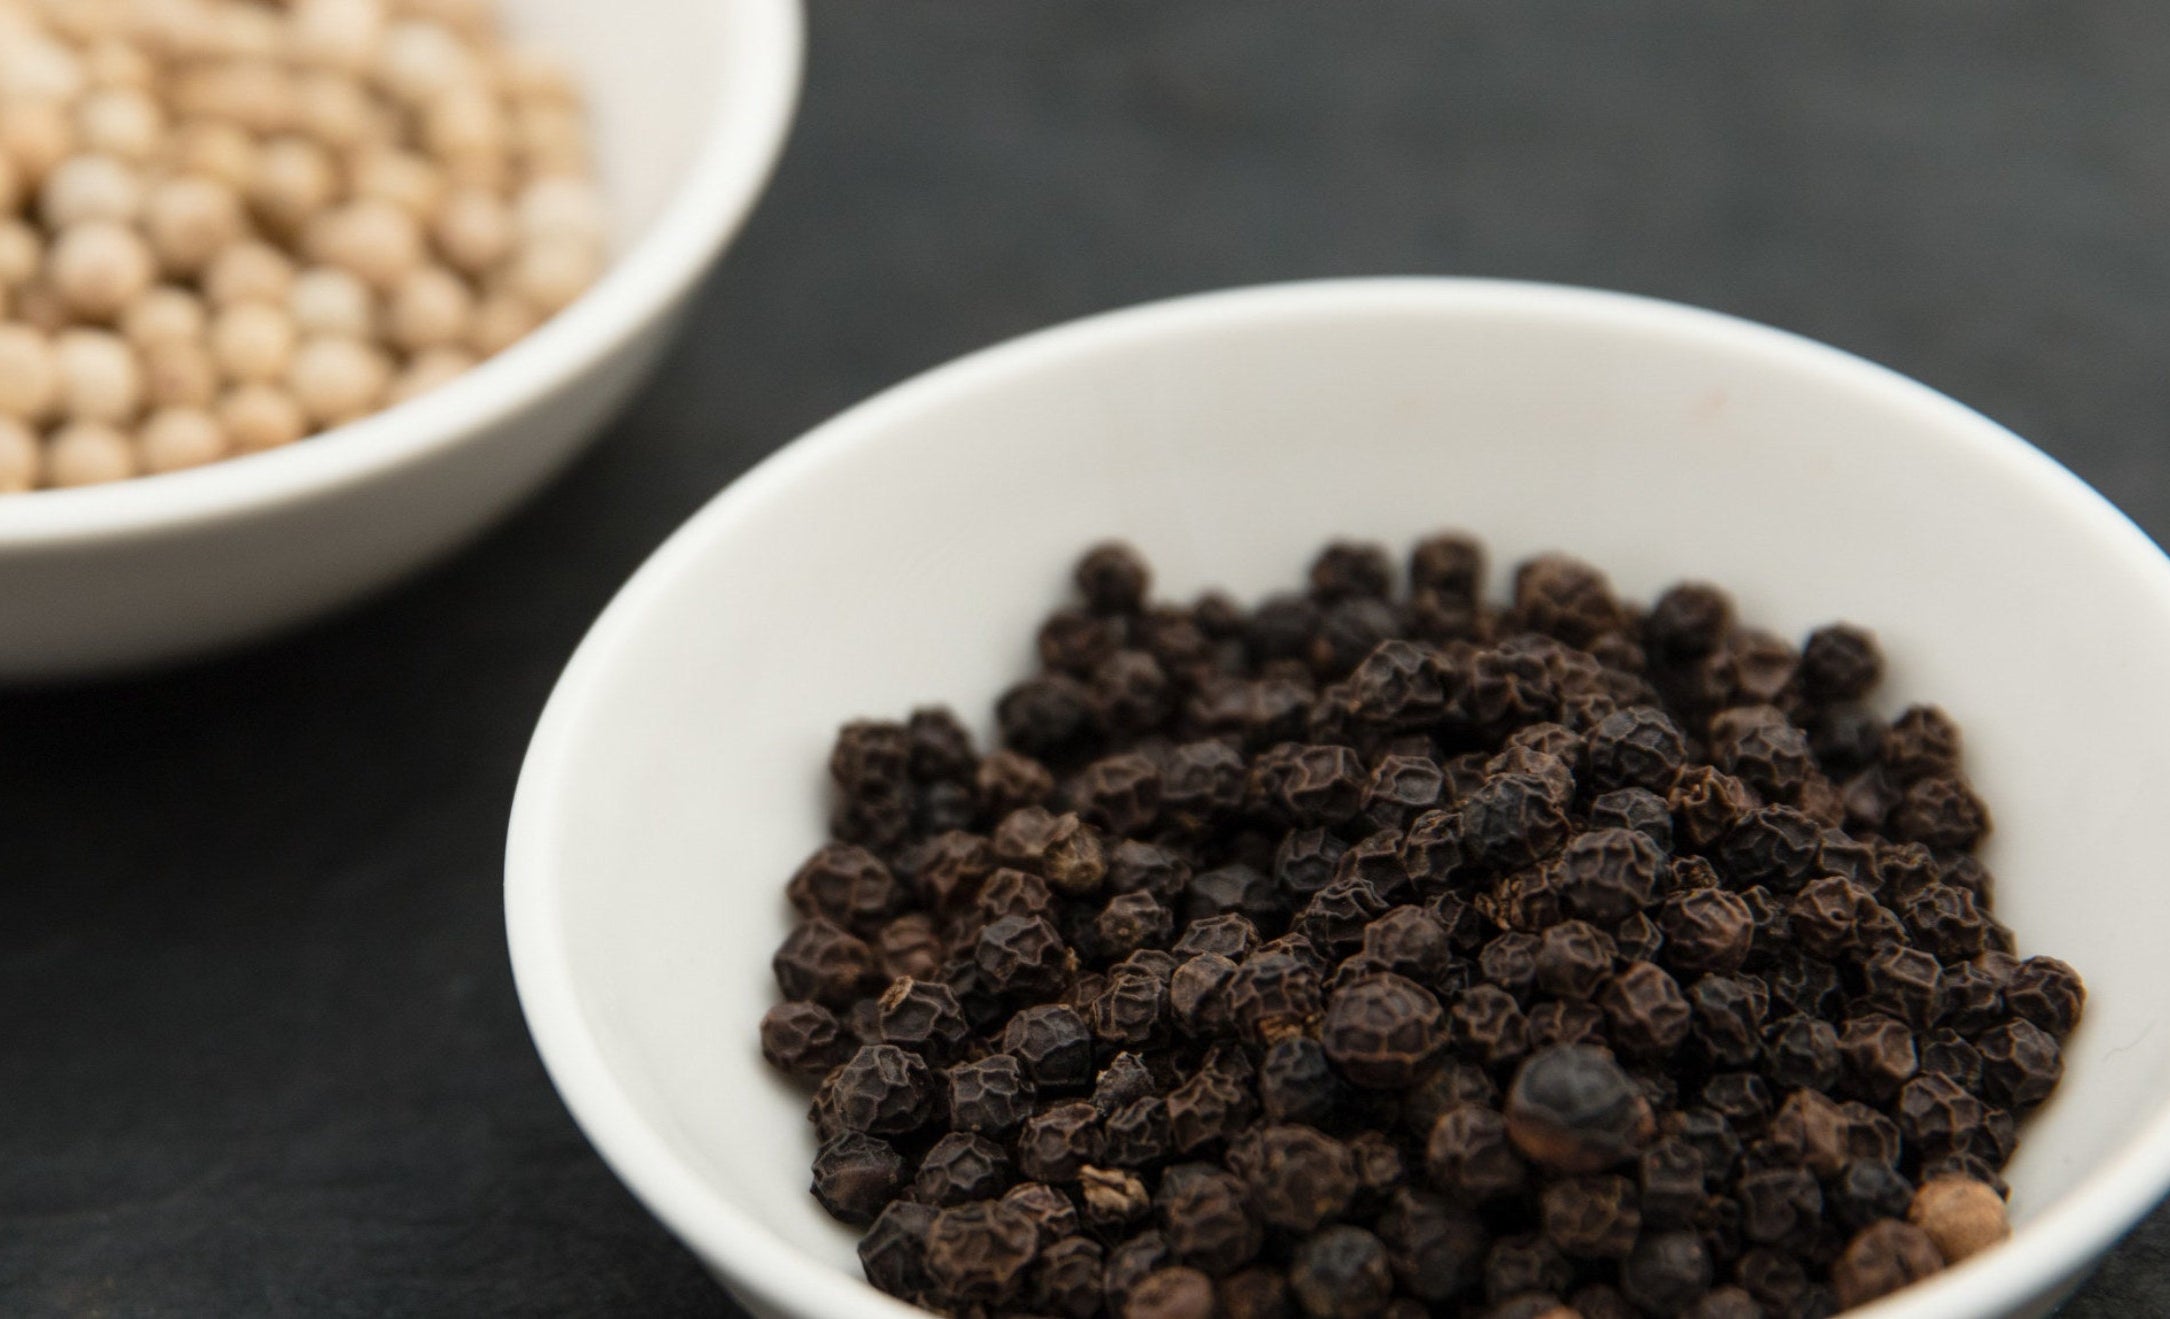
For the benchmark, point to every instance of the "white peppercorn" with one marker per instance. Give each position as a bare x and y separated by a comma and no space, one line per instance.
336,34
329,300
89,187
166,164
418,60
21,457
551,272
438,366
89,453
37,136
179,373
431,308
174,438
472,230
248,272
167,313
337,379
252,342
383,173
373,238
29,376
123,122
259,417
502,318
111,62
189,219
332,109
99,378
22,252
294,180
99,267
216,150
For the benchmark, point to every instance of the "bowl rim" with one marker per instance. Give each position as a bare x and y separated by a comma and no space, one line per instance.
749,119
2048,1251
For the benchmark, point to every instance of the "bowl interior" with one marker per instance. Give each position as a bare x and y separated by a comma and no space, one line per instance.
904,555
651,77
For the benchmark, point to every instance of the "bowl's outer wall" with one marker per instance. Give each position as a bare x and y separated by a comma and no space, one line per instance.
656,73
905,554
116,602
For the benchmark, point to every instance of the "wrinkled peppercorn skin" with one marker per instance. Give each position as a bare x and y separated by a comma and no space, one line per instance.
1383,950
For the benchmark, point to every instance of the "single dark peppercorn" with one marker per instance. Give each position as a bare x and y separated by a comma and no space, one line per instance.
1572,1109
1666,1272
1511,820
923,1016
1880,1259
1488,1025
1381,1030
1112,578
2046,992
990,1096
1450,563
1058,1141
883,1089
1922,741
1298,1176
1053,1044
1273,994
824,962
1706,929
1648,1014
1173,1293
2020,1063
1522,1265
1573,959
1470,1156
804,1040
1639,747
1937,1115
1867,1190
961,1167
855,1175
1688,621
1210,1223
1341,1273
1640,809
1724,1303
893,1253
1840,662
1217,1100
1670,1177
980,1252
1593,1217
1069,1278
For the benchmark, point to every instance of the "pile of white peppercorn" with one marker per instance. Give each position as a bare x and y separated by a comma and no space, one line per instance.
228,224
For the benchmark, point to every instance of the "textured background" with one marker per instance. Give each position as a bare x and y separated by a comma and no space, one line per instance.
259,1051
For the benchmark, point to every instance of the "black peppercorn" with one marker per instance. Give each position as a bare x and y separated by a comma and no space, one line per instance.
980,1252
1298,1176
1341,1273
1054,1045
1572,1109
1666,1272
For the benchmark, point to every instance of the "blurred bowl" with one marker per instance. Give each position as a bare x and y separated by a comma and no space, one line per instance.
904,553
691,100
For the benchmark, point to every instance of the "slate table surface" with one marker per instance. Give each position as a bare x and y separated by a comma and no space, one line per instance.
259,1049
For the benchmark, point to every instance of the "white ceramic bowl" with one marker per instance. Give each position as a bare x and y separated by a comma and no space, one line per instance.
691,101
903,553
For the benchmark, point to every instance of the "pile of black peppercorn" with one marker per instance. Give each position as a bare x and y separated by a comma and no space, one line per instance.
1377,953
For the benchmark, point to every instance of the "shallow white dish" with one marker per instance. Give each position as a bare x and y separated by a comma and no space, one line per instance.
903,553
691,102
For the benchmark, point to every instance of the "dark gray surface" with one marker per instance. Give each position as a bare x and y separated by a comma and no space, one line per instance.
259,1051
